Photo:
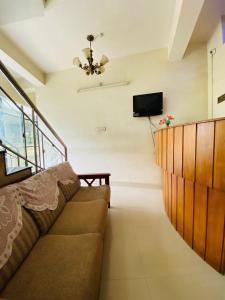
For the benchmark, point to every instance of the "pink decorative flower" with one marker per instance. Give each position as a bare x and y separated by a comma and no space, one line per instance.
166,120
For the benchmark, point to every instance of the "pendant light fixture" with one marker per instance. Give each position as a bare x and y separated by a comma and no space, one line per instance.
91,67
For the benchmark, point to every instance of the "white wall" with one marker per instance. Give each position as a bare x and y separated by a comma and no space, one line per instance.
125,149
216,42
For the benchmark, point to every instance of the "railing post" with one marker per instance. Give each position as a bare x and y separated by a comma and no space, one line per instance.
24,136
66,154
39,146
35,146
43,150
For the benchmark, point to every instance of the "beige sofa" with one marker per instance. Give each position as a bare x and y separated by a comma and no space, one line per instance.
58,254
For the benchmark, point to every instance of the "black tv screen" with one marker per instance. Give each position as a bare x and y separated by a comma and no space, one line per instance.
148,105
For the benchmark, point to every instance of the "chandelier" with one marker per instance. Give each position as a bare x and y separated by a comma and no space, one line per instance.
91,67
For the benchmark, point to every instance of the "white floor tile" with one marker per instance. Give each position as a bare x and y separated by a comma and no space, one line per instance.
125,290
145,258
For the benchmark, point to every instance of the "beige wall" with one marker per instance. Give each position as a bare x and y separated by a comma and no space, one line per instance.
12,92
126,148
10,49
218,72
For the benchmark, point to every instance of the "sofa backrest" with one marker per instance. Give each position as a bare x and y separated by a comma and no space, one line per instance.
45,219
22,246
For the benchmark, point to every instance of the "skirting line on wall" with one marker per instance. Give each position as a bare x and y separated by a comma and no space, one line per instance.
103,86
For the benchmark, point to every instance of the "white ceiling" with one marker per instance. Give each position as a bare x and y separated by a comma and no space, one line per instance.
208,20
14,11
130,26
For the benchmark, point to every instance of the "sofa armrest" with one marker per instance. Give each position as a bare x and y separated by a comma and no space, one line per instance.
95,176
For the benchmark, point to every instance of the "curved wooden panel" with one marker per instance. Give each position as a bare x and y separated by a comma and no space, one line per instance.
204,154
156,148
170,150
169,195
178,151
164,148
219,160
188,211
174,201
180,205
189,152
200,219
215,229
159,146
193,160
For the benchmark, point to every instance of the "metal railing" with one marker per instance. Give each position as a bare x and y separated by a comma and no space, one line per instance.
44,138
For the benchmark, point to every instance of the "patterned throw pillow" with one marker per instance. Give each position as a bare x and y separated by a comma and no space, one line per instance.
68,180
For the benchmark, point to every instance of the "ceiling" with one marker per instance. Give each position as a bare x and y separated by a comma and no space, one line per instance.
208,20
14,11
129,27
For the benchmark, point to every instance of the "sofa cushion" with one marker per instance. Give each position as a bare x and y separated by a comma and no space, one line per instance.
69,187
58,268
89,193
82,217
44,219
21,248
68,180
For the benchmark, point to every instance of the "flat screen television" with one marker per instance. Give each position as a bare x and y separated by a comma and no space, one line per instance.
148,105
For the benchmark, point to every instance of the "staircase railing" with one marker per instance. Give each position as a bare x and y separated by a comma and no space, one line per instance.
41,146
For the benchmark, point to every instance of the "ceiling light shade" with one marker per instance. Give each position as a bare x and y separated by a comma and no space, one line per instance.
91,67
104,60
102,69
77,62
87,52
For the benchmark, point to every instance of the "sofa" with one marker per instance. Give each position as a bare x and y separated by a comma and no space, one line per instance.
57,254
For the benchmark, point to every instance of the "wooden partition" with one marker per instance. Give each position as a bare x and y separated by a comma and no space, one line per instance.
192,157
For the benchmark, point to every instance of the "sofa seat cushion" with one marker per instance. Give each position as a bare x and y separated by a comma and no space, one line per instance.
89,193
81,217
58,268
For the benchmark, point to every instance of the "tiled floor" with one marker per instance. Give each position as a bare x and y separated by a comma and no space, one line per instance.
145,258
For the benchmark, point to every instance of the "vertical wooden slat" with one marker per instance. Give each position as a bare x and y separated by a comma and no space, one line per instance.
188,211
222,270
204,153
164,149
164,188
200,219
156,147
160,147
189,152
169,194
174,201
170,150
215,228
219,157
180,206
166,192
178,151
